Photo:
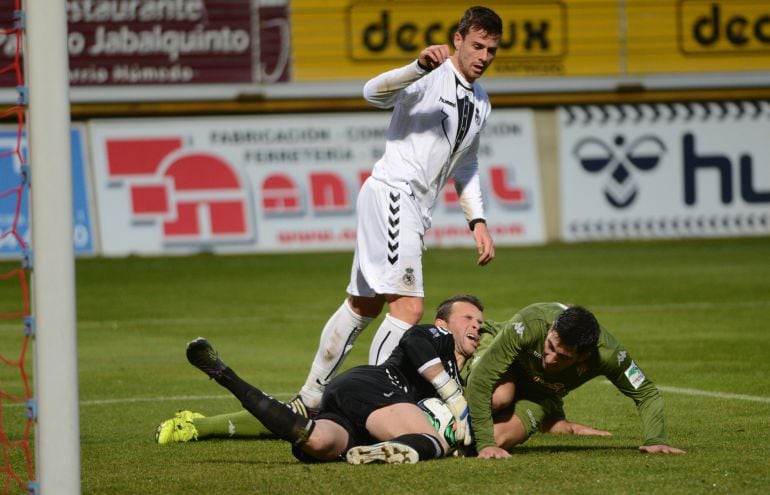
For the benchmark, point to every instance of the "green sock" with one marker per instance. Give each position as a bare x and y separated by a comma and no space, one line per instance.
241,424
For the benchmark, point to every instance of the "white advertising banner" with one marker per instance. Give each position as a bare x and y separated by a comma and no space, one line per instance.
284,183
665,170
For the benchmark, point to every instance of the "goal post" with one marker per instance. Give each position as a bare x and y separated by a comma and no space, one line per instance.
57,438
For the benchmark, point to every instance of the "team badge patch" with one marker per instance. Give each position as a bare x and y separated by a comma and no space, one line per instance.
635,375
408,277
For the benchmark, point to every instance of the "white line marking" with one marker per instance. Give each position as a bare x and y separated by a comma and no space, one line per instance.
717,395
207,322
134,400
663,388
107,402
685,306
287,395
707,393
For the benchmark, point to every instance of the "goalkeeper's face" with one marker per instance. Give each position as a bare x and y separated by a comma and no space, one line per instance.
464,321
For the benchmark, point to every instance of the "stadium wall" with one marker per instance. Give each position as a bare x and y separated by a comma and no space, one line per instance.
278,183
613,120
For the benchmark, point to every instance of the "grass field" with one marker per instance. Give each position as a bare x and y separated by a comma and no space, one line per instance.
694,314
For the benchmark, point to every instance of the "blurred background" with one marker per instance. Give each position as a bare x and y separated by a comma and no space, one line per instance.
239,126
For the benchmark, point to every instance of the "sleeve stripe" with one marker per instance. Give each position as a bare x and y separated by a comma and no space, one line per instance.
429,364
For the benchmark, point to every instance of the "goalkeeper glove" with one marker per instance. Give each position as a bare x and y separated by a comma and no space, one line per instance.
450,392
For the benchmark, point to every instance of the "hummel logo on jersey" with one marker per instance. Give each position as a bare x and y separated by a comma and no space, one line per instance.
447,102
393,230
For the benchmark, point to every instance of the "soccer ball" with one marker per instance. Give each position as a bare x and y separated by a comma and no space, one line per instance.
443,420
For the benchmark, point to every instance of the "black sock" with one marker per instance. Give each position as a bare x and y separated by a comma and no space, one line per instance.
427,447
274,414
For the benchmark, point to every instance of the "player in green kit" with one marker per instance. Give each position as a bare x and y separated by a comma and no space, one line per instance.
525,366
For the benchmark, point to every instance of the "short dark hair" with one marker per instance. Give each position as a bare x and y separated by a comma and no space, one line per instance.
577,327
445,308
481,18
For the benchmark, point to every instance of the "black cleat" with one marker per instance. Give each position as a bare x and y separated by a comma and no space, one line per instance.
297,405
205,358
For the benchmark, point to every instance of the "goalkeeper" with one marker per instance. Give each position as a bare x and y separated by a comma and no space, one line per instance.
525,366
370,404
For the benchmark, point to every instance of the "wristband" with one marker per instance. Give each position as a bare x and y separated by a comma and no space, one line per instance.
445,386
472,223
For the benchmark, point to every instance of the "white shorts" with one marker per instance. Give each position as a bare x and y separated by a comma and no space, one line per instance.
388,256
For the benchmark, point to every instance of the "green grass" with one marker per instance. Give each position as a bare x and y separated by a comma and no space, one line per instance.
694,314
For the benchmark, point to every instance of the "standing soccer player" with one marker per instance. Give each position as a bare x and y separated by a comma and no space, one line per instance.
438,112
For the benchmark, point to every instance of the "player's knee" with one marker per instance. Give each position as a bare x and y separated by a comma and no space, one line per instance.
323,447
509,431
503,395
369,307
410,310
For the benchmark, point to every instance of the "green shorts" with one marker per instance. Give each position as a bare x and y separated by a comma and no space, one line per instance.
533,412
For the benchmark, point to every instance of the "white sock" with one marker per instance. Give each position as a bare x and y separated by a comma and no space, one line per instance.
386,339
337,340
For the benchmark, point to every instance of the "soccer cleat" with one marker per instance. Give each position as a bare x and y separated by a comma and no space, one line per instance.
180,428
205,358
383,452
297,405
188,415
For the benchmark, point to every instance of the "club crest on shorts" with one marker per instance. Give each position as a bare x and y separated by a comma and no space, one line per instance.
408,277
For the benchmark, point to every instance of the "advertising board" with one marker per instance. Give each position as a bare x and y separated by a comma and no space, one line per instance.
284,183
665,171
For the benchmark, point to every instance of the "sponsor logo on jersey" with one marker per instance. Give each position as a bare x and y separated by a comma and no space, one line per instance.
447,102
557,388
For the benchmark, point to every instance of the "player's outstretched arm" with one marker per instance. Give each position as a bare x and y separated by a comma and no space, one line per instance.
484,244
382,90
565,427
661,449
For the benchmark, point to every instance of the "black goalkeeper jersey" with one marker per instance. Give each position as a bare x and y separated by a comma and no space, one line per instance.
421,347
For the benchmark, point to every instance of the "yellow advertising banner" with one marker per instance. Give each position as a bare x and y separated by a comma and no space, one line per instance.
347,39
692,36
337,40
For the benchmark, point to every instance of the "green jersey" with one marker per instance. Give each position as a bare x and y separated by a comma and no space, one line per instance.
517,345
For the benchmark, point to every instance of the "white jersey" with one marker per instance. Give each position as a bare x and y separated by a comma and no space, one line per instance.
433,134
